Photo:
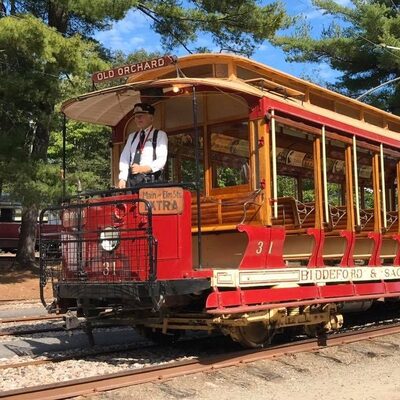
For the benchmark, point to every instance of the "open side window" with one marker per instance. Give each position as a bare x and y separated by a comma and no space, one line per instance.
229,154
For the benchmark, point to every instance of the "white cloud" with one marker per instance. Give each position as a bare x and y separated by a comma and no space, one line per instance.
326,73
134,20
130,34
308,10
346,3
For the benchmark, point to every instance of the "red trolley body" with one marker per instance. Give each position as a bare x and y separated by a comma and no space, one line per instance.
278,249
117,246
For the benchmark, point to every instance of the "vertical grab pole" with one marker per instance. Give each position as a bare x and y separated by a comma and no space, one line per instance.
274,169
324,173
398,192
383,187
64,140
197,157
356,188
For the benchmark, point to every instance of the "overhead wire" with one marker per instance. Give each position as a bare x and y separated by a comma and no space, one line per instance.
380,45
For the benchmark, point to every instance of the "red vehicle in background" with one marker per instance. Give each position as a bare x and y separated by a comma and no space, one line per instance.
10,224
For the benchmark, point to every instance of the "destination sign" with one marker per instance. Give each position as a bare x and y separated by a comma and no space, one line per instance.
131,69
163,200
271,277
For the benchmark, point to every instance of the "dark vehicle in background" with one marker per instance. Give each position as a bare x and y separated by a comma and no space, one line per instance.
10,224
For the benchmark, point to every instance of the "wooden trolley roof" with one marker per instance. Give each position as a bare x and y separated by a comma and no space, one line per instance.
109,106
230,73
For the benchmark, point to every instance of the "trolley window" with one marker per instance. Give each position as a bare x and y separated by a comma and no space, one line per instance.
229,154
181,164
10,214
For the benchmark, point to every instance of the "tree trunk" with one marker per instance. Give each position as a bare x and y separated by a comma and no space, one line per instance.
41,139
58,16
27,239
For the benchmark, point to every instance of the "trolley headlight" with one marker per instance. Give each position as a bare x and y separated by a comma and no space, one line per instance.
109,238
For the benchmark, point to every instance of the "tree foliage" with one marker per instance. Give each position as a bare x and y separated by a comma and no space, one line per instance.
352,44
236,26
87,155
74,16
46,52
233,25
34,60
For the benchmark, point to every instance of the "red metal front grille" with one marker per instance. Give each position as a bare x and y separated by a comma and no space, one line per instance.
100,241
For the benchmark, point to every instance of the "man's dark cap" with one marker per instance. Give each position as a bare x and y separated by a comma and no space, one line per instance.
143,108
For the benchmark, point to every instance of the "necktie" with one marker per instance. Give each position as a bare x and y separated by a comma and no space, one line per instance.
141,140
136,158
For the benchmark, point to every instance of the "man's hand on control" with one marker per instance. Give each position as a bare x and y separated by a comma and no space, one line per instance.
121,184
140,169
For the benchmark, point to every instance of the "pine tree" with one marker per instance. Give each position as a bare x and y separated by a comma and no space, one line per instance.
355,45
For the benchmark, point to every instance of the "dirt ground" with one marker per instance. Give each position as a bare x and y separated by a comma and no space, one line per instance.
19,285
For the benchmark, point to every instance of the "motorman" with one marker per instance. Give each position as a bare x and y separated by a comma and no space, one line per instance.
145,153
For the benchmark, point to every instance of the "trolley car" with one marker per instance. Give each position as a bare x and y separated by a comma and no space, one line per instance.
279,207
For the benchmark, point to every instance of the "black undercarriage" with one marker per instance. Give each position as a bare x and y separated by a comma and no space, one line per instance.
135,295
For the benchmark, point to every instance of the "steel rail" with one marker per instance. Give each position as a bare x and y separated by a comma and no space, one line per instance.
91,385
4,302
32,331
28,363
25,332
30,318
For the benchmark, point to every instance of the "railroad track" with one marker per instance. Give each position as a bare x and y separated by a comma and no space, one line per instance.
26,301
91,385
14,331
89,353
30,331
112,350
30,318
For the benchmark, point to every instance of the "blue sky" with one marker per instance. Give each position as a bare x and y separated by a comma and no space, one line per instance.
133,33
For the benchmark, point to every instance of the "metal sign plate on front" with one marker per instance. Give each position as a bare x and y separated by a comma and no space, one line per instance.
164,201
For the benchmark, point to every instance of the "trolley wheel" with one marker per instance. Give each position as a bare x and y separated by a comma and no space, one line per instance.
253,336
156,335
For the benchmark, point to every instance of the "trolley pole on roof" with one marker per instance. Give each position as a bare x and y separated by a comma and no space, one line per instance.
64,138
197,157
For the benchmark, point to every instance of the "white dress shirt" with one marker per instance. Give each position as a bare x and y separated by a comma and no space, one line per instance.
128,153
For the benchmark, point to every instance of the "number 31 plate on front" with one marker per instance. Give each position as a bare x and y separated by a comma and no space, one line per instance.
164,201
